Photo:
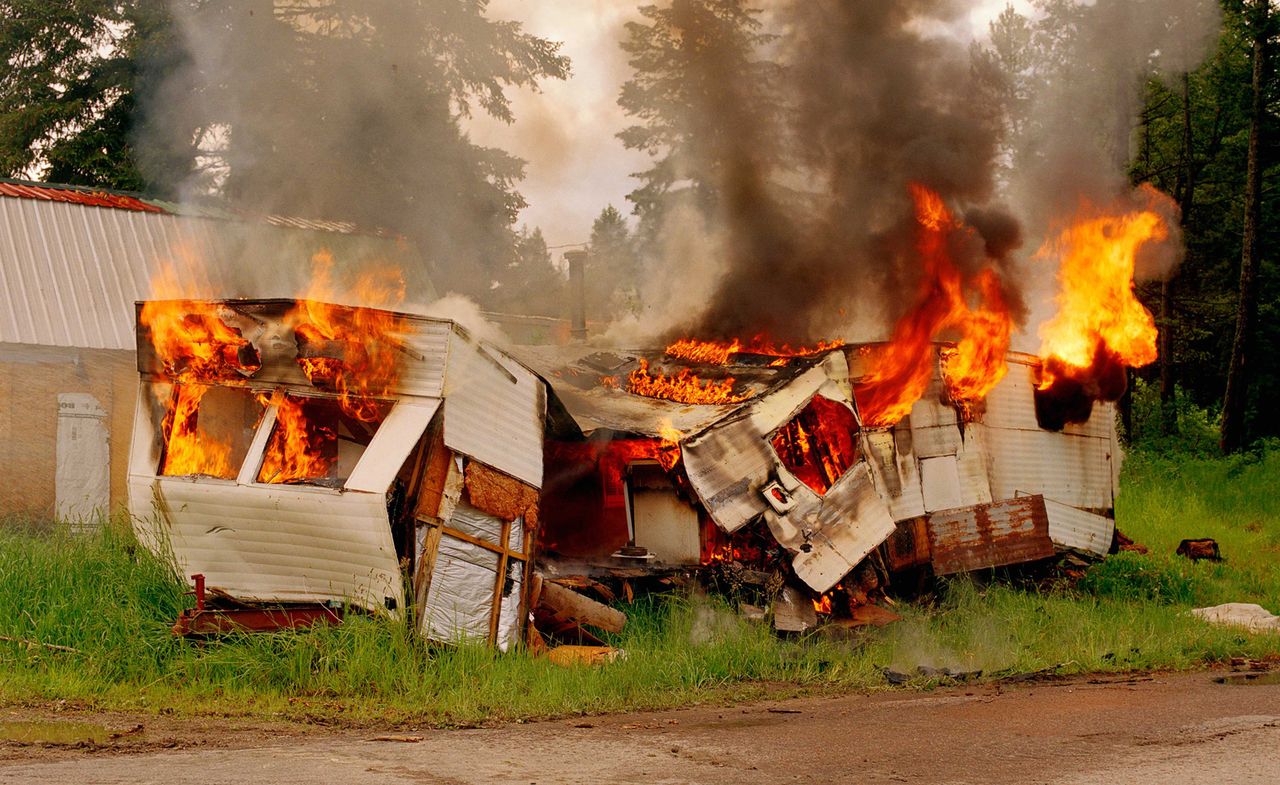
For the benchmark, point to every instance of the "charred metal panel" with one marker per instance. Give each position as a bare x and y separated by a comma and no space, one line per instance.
895,471
908,546
1078,529
728,467
852,521
989,535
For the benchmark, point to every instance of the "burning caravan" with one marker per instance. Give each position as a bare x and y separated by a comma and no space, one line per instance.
302,457
677,459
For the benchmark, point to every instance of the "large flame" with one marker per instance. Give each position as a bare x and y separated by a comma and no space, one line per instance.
299,448
684,387
721,352
194,347
355,352
900,370
1100,326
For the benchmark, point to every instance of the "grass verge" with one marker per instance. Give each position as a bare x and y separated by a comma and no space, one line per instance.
111,602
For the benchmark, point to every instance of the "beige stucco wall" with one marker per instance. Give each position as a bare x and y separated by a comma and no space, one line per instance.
31,377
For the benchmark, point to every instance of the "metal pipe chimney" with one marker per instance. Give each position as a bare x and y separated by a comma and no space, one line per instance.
577,261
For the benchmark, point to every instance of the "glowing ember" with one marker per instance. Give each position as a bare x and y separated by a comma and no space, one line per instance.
195,347
1100,327
684,387
901,369
722,352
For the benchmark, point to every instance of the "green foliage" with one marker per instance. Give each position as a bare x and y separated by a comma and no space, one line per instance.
1143,577
704,98
1194,429
613,267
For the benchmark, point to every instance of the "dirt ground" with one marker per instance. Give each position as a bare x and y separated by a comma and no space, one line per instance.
1164,729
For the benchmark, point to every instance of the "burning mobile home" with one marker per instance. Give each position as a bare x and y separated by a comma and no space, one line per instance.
302,456
681,458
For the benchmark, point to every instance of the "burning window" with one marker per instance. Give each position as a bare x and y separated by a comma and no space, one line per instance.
316,441
820,444
207,430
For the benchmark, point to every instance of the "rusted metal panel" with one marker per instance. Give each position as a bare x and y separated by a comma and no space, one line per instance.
908,546
1012,531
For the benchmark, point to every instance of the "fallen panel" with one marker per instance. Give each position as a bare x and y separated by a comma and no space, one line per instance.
1078,529
989,535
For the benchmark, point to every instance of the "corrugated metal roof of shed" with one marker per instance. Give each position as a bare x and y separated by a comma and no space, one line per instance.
90,197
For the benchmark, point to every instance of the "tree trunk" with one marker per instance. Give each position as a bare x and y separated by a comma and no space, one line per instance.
1233,403
1186,195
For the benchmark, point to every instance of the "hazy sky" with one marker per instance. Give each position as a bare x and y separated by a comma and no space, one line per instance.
577,165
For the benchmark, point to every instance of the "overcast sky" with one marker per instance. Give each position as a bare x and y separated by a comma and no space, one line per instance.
567,132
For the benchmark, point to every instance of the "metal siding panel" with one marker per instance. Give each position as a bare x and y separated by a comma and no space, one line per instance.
989,535
489,417
272,544
727,467
941,483
1074,470
1078,529
71,272
425,377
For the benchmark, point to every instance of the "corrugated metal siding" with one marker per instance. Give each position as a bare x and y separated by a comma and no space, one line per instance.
71,272
273,544
494,416
1074,467
989,535
1074,470
424,375
1083,531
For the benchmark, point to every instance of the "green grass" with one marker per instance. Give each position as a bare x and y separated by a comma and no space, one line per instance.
113,603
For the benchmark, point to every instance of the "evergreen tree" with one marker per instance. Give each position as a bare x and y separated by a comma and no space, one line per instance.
704,96
613,267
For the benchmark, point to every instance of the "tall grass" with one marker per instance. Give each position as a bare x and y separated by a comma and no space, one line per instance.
112,602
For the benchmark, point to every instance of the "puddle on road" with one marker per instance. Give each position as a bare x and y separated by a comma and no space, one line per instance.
1249,679
53,732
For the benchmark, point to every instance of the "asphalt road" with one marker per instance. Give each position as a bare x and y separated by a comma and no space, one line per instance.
1163,729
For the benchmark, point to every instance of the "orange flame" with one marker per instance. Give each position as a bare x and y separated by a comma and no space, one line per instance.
1099,319
822,605
901,369
355,352
684,387
669,444
299,448
194,346
722,352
